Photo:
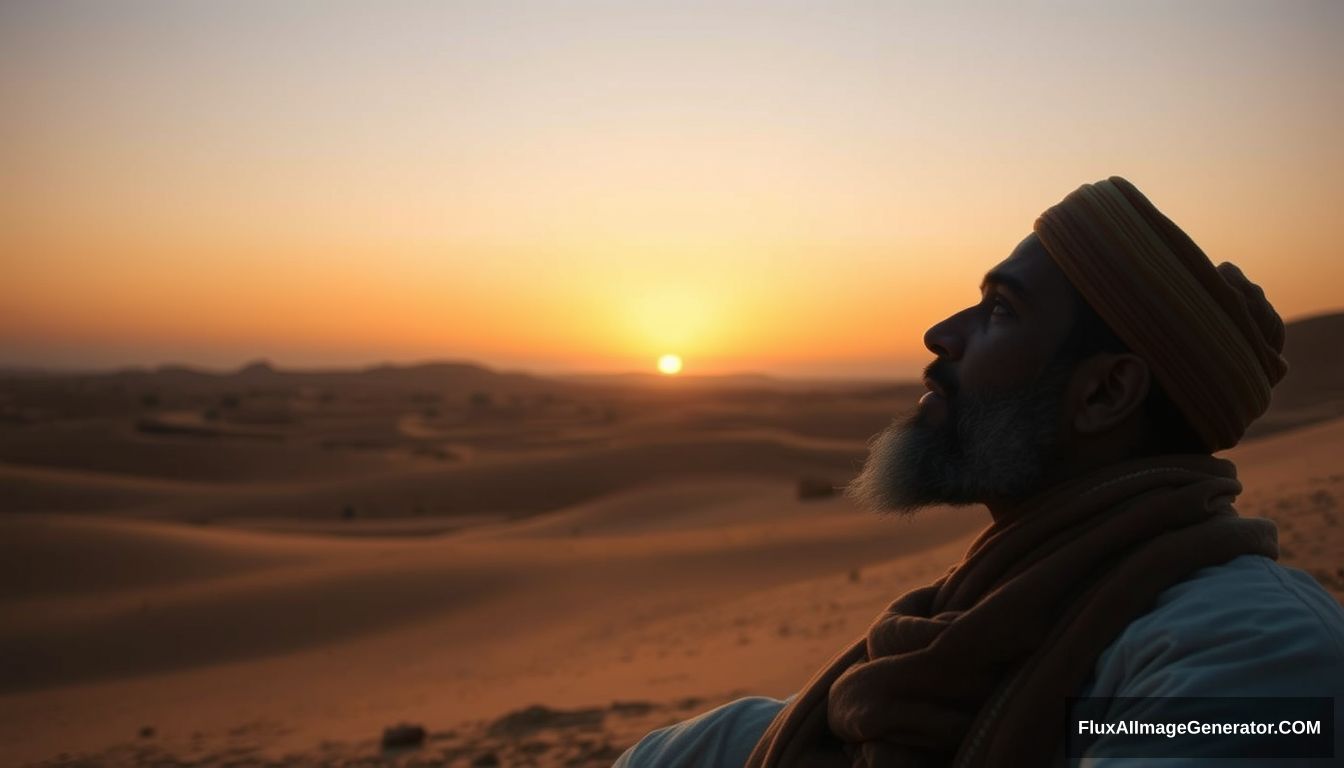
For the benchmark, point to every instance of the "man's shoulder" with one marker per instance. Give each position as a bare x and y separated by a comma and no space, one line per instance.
1237,595
1247,627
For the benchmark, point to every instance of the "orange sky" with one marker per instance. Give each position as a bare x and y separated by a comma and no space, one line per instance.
785,187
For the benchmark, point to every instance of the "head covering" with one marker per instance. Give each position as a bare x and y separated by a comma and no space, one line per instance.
1208,334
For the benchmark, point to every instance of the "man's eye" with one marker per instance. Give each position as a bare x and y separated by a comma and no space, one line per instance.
1000,308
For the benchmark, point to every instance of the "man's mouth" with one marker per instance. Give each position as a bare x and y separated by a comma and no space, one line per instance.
935,389
934,404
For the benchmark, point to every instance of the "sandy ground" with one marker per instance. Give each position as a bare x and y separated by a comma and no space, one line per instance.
625,573
297,640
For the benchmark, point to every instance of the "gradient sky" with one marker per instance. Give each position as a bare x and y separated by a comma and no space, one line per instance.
796,188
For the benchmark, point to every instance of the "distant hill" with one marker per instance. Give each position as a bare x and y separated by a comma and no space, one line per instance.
448,377
1315,352
29,396
437,376
1313,389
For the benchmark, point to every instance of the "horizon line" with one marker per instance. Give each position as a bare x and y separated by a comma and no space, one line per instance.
7,369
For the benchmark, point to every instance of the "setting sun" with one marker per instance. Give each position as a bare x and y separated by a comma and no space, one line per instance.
669,364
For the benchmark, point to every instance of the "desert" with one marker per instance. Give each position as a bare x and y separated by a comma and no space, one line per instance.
268,567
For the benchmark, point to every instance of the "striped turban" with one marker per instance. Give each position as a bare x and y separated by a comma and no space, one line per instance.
1208,334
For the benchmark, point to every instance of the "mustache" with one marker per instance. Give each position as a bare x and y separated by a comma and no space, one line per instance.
940,372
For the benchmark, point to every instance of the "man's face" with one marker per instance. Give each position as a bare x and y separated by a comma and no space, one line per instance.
988,428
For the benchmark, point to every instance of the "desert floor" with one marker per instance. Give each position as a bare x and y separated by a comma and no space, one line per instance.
536,578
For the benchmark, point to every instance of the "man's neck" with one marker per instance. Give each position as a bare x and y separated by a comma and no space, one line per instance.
1078,463
1082,463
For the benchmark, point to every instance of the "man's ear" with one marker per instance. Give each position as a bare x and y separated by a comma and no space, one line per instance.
1109,389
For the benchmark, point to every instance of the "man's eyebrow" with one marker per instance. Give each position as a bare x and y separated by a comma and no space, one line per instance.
1013,284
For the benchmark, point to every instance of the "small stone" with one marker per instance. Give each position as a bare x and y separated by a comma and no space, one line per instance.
815,488
403,735
147,732
631,708
485,760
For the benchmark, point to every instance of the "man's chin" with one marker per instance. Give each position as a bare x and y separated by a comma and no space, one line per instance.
990,447
907,468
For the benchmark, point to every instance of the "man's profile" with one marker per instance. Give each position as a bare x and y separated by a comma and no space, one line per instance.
1081,401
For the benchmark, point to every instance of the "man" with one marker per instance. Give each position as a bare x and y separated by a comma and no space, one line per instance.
1080,400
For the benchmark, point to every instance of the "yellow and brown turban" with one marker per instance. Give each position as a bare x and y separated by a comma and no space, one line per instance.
1210,337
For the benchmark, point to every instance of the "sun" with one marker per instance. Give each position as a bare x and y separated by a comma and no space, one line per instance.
669,365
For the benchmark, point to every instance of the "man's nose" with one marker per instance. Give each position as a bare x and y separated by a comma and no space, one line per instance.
944,340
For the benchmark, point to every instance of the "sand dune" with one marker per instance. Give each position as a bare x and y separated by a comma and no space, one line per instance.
189,597
577,572
59,555
254,603
1313,389
1297,479
44,489
116,447
488,487
706,504
1287,458
701,589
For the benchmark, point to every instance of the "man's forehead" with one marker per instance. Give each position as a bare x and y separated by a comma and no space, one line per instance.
1030,271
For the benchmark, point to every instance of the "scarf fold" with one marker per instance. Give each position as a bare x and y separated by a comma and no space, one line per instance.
982,661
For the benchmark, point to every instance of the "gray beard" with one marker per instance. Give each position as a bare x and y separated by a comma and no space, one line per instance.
992,447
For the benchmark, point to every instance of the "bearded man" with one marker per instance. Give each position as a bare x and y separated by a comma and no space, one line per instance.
1081,400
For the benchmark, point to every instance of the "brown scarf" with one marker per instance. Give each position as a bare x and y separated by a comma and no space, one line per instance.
980,663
